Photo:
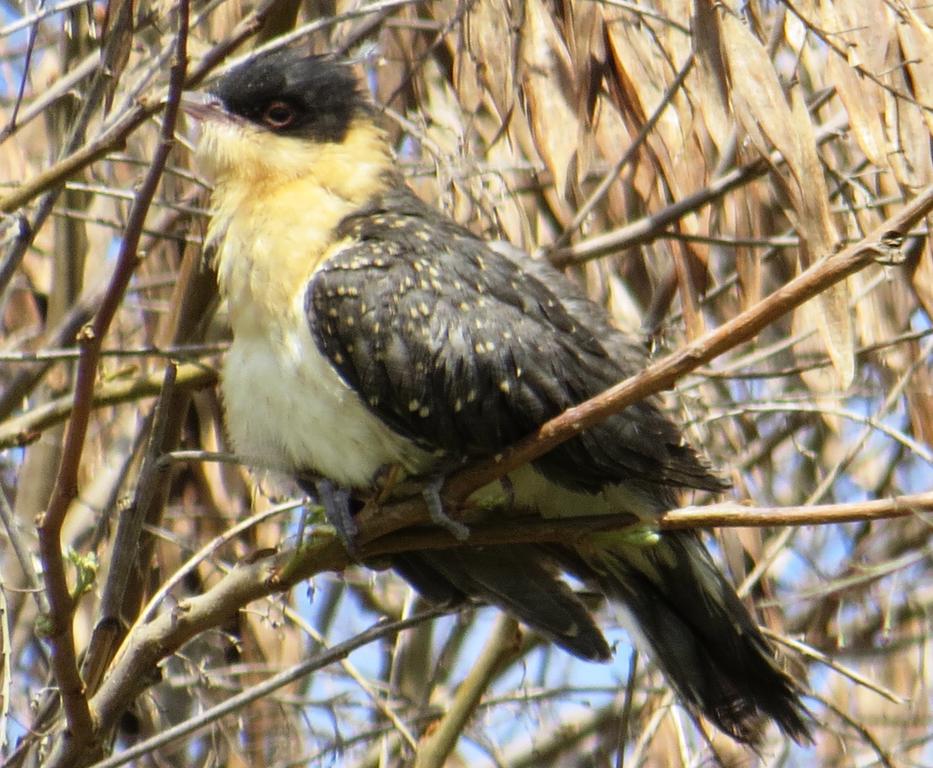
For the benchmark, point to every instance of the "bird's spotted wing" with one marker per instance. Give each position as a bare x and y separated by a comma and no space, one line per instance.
460,349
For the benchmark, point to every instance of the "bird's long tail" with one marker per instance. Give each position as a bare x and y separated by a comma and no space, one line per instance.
697,629
522,580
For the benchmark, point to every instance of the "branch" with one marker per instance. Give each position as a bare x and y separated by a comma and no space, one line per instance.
23,429
535,530
112,138
22,383
649,228
501,648
732,515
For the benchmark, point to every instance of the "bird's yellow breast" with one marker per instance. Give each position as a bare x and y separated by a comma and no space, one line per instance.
276,207
269,246
277,204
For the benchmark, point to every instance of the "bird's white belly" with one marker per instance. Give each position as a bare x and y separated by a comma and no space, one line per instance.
288,409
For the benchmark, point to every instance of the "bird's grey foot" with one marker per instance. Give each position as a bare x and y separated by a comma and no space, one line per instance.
432,498
336,503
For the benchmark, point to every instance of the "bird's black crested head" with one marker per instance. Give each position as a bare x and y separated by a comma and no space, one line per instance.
292,94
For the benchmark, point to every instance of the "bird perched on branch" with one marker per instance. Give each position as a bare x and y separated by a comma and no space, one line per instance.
371,331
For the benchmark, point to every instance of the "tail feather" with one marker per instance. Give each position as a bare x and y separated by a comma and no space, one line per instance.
521,580
698,630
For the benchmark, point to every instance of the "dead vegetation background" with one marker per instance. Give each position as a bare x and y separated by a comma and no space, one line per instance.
681,161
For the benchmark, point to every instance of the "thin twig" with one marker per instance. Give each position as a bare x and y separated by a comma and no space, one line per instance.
383,706
609,178
725,515
378,631
657,224
126,546
6,665
22,430
23,555
812,653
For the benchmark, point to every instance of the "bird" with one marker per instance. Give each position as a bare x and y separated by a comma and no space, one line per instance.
371,332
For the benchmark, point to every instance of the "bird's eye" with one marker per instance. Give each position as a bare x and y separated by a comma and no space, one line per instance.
278,115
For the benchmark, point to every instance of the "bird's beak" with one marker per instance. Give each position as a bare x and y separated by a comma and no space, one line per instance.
203,106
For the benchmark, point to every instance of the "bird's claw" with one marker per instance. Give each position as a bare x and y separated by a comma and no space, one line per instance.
432,498
336,504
